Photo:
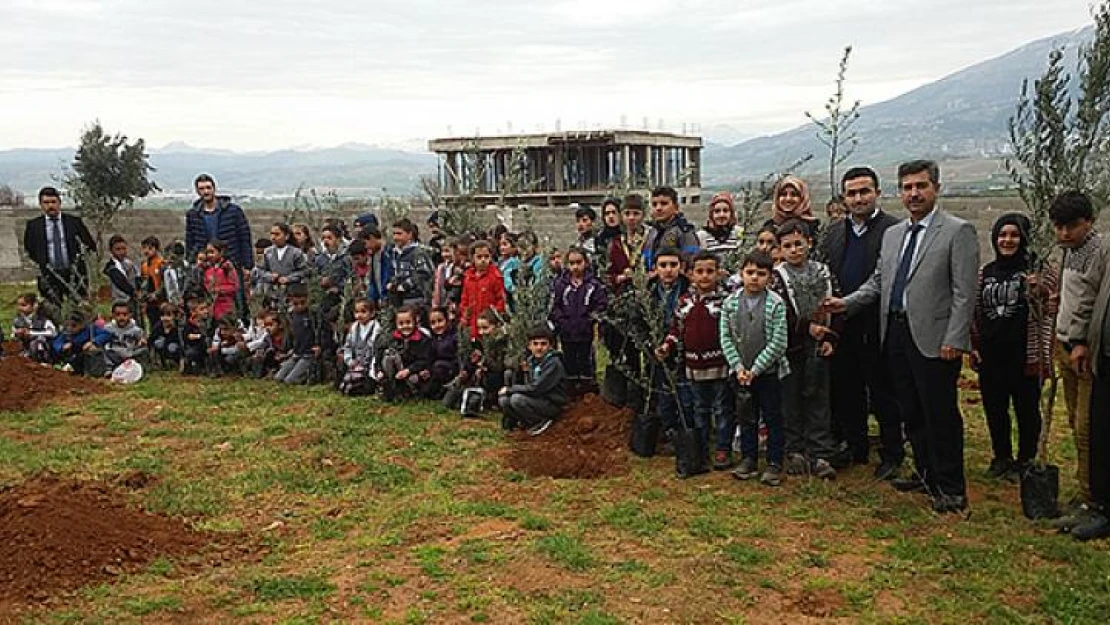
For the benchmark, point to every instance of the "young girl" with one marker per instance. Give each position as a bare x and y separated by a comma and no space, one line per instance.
166,336
1011,334
267,361
483,366
483,287
33,328
531,261
444,352
221,280
305,348
357,358
508,264
302,238
407,361
257,341
447,284
228,350
578,298
123,274
282,263
610,226
719,235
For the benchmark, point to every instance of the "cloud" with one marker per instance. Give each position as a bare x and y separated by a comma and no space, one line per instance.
254,74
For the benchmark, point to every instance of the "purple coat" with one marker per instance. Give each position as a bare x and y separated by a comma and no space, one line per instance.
574,306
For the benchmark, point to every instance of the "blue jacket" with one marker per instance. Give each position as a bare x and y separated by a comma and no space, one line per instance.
99,337
231,227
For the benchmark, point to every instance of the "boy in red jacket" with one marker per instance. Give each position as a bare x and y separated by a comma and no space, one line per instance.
483,287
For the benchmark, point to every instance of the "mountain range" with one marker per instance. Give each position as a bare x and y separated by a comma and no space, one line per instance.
961,116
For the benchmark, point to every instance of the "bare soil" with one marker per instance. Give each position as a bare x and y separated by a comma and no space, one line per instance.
25,385
589,440
57,535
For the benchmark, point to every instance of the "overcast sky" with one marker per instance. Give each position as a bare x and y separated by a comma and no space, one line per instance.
262,75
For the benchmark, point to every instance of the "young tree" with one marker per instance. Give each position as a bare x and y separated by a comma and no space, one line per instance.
107,175
10,197
1059,132
835,131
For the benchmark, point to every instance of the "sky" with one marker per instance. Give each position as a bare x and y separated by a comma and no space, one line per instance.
253,75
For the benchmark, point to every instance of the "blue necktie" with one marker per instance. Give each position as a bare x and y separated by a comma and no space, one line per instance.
58,247
897,294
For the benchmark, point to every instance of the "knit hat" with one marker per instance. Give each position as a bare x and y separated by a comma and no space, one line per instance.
367,220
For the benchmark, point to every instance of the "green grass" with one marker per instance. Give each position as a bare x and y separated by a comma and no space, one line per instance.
405,514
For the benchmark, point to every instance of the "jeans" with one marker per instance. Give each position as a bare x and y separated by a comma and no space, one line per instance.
805,406
713,403
667,407
526,410
763,399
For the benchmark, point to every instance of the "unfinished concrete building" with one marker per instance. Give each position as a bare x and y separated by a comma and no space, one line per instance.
562,168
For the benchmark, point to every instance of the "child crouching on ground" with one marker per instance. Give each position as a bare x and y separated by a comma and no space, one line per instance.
303,329
482,367
78,348
228,353
407,361
358,365
167,337
753,338
257,341
535,404
197,330
444,352
33,328
126,337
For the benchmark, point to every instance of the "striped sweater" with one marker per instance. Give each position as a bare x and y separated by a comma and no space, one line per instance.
774,331
695,330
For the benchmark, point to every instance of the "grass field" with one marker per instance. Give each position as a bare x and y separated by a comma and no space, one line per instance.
405,514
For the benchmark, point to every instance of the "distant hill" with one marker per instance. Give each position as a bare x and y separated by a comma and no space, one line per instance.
350,166
962,115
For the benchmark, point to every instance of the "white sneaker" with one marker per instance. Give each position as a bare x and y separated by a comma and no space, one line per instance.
540,428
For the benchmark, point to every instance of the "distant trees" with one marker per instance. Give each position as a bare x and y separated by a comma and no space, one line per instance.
10,197
107,175
1060,133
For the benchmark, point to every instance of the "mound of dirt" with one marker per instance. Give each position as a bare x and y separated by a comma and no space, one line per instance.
589,440
57,535
24,385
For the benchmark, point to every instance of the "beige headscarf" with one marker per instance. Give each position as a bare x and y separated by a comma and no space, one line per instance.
804,211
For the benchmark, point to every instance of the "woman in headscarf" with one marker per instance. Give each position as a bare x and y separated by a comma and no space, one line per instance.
719,235
791,200
1011,336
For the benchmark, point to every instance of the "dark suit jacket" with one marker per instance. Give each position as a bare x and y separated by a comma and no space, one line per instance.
833,245
76,235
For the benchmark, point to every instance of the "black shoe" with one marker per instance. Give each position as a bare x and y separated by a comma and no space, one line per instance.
908,485
999,467
887,470
843,459
1097,527
949,504
508,423
1077,516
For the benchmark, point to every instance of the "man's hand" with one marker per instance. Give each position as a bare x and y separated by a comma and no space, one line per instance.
833,305
817,331
1080,358
949,353
825,350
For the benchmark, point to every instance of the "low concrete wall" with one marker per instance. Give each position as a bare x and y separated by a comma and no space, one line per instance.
554,226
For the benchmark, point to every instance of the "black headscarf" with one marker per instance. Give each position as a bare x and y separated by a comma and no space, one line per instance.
1023,259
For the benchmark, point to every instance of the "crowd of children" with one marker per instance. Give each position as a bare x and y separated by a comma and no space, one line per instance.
714,358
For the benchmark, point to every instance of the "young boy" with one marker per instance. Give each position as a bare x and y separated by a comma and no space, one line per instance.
669,228
78,347
122,273
696,332
412,270
196,332
166,337
150,275
578,298
33,328
535,404
753,338
483,287
298,367
127,339
584,218
259,285
803,284
625,255
666,287
483,366
228,353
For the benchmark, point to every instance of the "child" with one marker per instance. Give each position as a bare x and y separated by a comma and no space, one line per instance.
257,279
666,287
221,280
578,298
127,339
508,264
358,363
719,235
696,331
584,218
535,404
173,276
766,242
444,352
332,267
166,336
447,285
483,287
256,340
531,261
610,227
228,351
555,262
668,229
483,366
122,274
79,346
196,332
1011,343
407,361
802,284
305,348
282,264
267,357
412,270
360,271
302,239
753,338
381,269
150,275
33,328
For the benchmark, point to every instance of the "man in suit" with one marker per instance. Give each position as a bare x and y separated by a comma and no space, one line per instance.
925,284
58,244
851,246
